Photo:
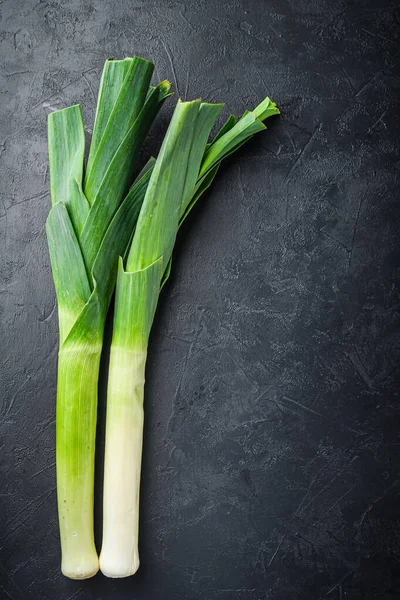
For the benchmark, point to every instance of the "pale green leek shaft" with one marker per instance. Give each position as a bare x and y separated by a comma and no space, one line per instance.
76,422
120,554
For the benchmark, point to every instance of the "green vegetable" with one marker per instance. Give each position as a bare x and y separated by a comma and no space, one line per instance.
184,169
105,228
89,226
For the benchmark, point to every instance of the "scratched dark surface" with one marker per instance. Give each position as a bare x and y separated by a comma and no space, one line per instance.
272,448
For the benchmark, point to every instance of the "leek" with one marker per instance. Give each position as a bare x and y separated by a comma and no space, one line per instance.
184,169
89,225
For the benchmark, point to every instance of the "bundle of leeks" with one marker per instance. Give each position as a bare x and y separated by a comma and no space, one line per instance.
108,232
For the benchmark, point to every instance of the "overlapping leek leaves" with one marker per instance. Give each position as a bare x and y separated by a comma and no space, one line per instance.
184,169
88,228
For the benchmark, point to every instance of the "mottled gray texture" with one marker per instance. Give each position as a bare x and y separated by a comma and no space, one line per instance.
271,446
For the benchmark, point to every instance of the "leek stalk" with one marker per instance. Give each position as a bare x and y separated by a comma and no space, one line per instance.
184,169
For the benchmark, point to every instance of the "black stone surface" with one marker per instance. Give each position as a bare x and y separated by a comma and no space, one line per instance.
271,453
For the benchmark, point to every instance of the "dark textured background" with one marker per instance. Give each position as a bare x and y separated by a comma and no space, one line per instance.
272,447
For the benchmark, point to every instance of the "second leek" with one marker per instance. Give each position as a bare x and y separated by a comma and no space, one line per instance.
185,167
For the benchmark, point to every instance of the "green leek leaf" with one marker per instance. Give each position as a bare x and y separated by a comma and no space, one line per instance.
73,287
129,103
113,76
66,155
119,173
